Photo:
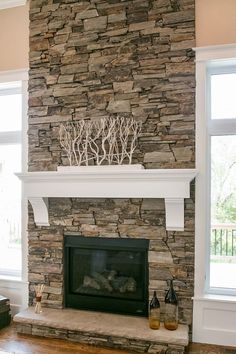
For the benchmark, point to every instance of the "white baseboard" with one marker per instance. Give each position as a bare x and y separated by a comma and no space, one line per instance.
214,322
16,292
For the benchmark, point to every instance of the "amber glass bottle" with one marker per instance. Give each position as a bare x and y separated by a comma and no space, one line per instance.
154,312
171,309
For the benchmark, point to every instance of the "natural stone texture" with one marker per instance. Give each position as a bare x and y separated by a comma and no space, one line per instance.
98,23
93,59
117,17
126,332
178,17
158,156
125,86
153,204
179,69
86,14
183,153
118,106
141,26
160,257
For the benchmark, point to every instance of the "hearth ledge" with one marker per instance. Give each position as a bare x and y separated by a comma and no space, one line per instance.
171,184
101,329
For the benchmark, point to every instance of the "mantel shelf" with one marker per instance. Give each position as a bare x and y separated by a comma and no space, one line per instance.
171,184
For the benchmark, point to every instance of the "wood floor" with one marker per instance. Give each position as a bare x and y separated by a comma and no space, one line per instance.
11,342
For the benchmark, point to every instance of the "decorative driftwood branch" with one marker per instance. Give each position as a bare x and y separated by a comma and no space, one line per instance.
104,141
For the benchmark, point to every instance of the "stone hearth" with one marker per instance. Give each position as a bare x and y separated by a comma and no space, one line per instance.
95,328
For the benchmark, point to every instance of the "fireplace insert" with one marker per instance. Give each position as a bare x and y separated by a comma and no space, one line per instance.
106,274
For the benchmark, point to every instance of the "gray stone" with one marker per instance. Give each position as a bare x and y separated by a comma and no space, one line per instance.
150,232
125,86
178,17
153,204
98,23
180,69
158,156
119,106
117,32
117,17
183,153
86,14
160,257
141,26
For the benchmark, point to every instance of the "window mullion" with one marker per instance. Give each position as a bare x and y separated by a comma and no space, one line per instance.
222,127
14,137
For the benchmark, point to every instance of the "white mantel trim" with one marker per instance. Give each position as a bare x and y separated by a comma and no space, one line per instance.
171,184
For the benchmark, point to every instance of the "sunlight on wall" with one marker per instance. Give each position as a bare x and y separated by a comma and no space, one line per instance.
14,34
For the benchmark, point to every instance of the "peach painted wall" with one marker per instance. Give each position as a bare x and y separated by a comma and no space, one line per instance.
14,34
215,22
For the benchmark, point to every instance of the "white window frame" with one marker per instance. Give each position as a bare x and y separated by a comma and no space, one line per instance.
213,313
13,137
216,127
16,288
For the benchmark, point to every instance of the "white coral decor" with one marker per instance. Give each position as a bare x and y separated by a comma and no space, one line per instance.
104,141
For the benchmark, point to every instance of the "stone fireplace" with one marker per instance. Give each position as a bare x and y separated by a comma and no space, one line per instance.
91,59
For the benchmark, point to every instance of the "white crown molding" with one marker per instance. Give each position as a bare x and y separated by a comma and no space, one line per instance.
14,75
216,52
171,184
6,4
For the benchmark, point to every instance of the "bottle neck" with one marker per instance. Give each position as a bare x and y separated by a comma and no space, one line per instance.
171,296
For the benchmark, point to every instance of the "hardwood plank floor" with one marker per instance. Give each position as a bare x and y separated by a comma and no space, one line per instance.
12,342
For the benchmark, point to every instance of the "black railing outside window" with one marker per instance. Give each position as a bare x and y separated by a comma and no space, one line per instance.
223,240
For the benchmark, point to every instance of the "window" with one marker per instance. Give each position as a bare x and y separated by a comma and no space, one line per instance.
222,178
214,302
11,108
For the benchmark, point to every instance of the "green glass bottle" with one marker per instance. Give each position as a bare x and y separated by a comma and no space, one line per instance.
171,309
154,312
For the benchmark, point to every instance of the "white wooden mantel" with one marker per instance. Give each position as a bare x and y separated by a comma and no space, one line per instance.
171,184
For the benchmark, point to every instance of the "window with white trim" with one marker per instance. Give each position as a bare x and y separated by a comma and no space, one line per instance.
221,136
11,108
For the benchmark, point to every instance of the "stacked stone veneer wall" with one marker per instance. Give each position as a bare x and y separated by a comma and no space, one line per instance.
91,59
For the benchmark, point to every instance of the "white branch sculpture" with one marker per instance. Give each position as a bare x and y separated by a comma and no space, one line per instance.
104,141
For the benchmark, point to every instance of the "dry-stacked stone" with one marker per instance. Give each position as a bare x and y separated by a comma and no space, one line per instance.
97,58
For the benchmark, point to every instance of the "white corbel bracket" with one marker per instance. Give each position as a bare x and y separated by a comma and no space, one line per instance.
172,185
174,214
40,209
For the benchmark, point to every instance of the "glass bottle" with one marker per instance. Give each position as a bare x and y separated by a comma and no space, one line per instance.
154,312
171,309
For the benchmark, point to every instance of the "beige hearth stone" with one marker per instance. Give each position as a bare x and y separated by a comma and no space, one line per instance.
102,324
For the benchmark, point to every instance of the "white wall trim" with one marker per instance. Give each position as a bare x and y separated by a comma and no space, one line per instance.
14,75
6,4
213,315
218,52
17,290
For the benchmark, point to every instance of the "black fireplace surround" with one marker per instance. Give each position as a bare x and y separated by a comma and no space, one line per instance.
106,274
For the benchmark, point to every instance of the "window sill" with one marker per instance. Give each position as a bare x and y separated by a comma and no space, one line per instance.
216,298
10,278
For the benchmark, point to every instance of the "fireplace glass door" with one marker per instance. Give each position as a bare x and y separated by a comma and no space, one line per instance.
106,274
